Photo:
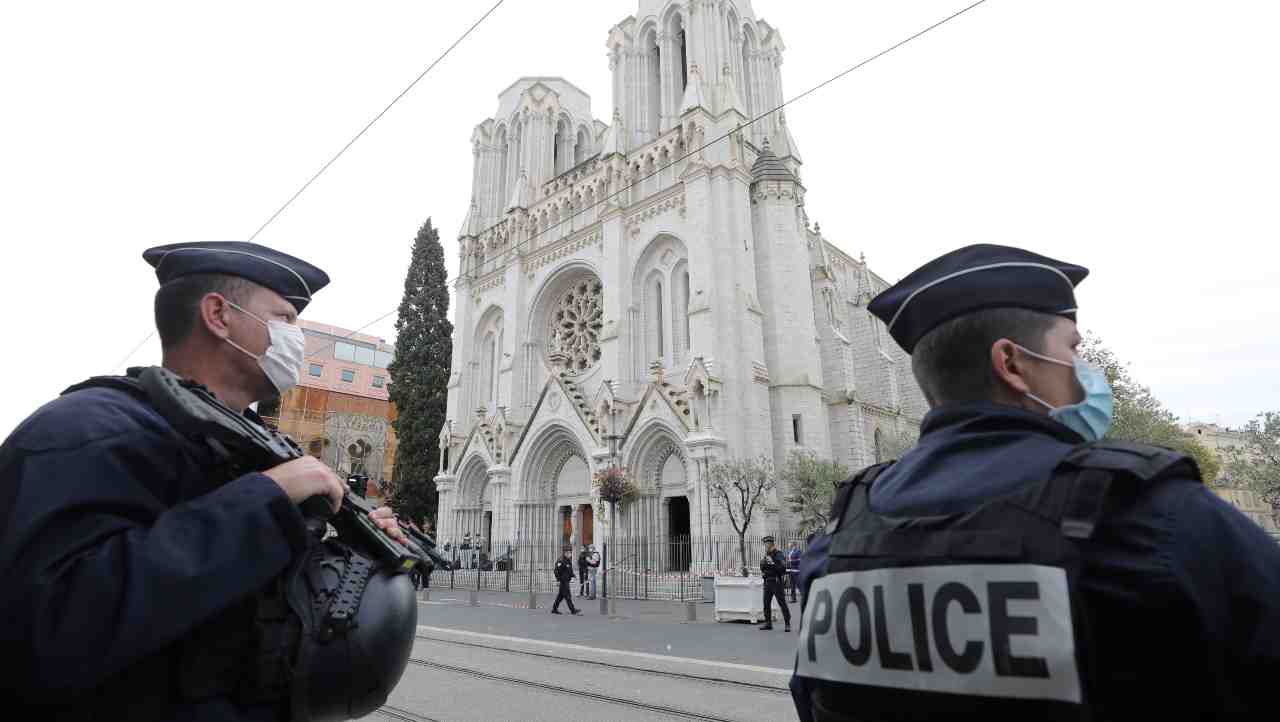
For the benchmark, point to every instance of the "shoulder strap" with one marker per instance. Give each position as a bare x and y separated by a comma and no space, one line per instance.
127,384
845,492
1142,461
1076,493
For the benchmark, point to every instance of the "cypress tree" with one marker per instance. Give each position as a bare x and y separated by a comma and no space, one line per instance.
420,376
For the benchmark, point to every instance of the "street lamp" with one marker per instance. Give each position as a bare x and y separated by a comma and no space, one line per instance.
613,438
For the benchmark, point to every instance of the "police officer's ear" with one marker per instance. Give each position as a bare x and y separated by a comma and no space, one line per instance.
1011,369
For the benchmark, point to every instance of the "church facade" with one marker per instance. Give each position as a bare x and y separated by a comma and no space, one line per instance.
647,292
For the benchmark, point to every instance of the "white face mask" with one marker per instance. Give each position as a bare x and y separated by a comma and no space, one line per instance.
283,359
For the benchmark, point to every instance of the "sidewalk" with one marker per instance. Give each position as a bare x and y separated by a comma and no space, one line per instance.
655,627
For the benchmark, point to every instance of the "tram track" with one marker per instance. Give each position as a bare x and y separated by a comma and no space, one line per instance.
719,681
571,691
398,713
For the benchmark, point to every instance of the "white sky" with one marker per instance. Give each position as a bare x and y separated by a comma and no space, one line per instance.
1137,138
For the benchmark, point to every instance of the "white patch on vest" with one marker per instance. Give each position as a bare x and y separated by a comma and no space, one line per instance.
987,630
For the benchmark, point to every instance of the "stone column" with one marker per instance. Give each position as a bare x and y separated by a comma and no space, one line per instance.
445,486
499,481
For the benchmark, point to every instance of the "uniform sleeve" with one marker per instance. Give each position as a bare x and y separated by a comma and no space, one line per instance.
1231,567
100,573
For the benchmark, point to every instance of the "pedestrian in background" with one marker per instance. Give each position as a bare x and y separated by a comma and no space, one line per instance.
564,573
593,564
582,572
793,567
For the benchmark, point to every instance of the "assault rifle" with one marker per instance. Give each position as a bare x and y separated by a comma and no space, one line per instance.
244,447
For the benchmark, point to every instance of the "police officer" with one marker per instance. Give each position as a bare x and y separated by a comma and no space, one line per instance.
772,569
1011,564
124,560
564,574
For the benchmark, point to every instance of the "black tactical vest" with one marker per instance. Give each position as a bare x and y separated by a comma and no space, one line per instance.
974,615
327,640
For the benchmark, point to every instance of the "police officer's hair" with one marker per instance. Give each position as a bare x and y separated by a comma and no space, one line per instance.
952,363
177,301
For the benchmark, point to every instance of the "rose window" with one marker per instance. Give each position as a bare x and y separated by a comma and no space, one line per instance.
573,337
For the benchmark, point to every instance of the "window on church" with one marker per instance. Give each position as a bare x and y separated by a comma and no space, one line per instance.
684,65
653,116
688,341
797,430
657,315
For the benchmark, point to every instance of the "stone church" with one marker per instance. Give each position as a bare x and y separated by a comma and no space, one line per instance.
637,291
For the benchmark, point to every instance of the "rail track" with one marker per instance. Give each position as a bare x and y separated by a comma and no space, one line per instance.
720,681
575,692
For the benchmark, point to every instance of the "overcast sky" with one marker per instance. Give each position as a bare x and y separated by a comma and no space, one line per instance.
1136,138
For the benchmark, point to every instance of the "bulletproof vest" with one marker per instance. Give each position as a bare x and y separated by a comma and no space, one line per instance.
975,615
328,639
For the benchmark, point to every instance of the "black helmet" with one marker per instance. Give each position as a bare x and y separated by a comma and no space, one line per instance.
359,624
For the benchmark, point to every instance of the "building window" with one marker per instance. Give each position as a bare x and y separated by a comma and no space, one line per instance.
797,429
316,369
344,351
364,355
348,375
378,382
382,359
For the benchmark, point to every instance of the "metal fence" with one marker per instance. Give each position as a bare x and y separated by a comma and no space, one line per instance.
630,568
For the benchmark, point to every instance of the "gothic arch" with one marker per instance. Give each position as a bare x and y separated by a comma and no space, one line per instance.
654,286
472,480
657,458
552,450
487,353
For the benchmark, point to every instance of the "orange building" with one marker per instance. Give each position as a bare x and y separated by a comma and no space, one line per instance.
341,410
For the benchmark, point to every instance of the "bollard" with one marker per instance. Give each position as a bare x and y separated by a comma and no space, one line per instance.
691,612
533,598
424,595
473,597
604,606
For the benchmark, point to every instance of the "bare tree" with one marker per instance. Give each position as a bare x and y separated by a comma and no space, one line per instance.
738,486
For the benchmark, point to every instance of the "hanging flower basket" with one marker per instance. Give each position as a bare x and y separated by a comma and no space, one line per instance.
612,487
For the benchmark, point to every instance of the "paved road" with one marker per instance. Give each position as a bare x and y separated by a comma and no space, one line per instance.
498,661
640,626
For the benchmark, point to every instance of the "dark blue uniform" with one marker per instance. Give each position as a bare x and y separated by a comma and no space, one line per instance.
115,547
1183,590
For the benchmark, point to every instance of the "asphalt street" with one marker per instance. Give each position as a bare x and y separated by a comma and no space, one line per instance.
499,660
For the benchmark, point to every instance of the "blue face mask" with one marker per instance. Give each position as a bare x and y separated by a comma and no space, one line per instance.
1092,416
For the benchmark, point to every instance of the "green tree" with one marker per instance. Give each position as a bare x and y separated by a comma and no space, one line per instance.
739,486
1141,417
420,376
1255,464
810,484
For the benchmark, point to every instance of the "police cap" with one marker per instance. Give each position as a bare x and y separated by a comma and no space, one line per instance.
971,279
767,540
294,279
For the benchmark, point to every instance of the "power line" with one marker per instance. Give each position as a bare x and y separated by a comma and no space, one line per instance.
748,124
129,355
338,155
376,118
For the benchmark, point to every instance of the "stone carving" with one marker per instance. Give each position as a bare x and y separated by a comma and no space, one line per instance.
575,326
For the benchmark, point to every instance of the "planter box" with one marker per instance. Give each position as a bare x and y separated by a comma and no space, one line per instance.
739,598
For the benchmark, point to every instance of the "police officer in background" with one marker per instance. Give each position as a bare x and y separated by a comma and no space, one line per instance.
564,575
1010,565
773,566
130,572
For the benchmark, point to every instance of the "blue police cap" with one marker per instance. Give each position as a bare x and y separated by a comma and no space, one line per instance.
294,279
971,279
